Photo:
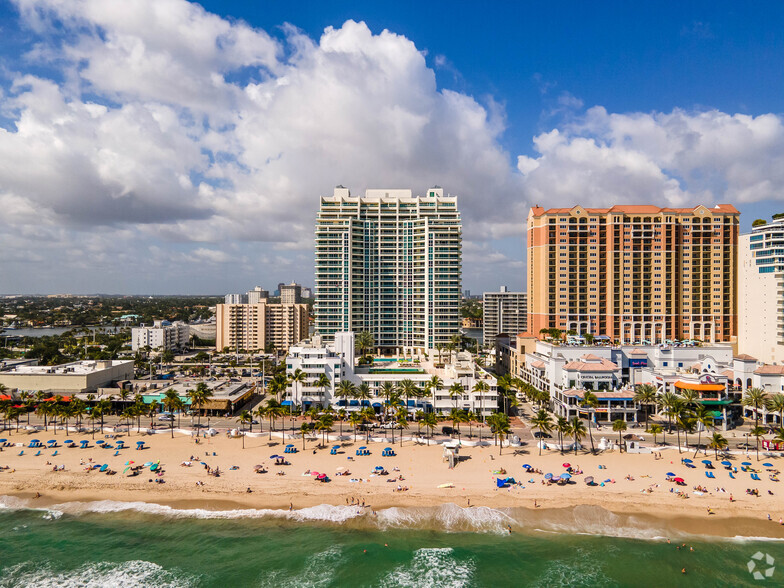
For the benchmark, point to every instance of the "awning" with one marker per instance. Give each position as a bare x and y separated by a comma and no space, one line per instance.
286,403
716,402
695,386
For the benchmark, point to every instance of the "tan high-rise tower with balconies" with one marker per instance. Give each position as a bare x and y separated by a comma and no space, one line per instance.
634,273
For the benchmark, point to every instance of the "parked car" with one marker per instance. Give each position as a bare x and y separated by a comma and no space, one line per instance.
166,417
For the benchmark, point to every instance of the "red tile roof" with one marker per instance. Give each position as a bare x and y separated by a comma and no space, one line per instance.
635,208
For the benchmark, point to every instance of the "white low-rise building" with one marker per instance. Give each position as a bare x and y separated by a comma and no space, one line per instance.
68,378
162,336
337,359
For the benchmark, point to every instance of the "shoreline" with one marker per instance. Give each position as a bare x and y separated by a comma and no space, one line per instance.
631,523
634,494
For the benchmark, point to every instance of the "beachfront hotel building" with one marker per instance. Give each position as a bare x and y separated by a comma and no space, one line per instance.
261,325
761,292
503,312
389,263
337,361
634,273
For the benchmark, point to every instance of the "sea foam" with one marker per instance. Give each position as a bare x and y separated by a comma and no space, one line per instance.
430,568
128,574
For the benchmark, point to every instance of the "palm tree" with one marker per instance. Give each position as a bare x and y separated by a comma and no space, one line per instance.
261,412
362,392
341,414
500,426
364,342
401,420
44,409
298,378
703,419
481,387
755,398
368,416
667,401
757,432
387,391
303,429
544,423
273,410
170,400
776,404
655,430
717,442
433,385
577,429
562,426
103,407
645,394
324,425
345,389
455,392
430,421
355,418
199,396
619,426
246,417
407,389
690,398
503,384
590,402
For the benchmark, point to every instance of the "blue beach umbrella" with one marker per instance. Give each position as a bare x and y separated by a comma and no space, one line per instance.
274,456
726,463
566,476
526,466
670,474
767,465
746,463
706,461
686,460
3,440
548,476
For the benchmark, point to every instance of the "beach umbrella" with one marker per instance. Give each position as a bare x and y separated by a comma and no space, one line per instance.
589,480
274,456
679,480
314,473
767,465
746,463
66,441
726,463
670,474
147,464
548,476
52,441
567,465
706,461
321,476
34,441
129,462
126,469
566,476
341,469
526,466
686,460
100,442
336,447
4,440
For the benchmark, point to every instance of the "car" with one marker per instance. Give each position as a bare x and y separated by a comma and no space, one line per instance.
166,417
541,435
254,422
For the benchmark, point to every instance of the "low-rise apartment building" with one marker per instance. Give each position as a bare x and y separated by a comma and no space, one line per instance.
161,336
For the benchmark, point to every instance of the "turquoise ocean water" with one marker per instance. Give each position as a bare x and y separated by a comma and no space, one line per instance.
133,544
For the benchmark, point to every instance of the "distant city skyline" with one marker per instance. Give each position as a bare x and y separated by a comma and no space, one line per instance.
168,147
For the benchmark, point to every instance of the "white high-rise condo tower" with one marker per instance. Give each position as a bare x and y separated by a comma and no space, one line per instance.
389,263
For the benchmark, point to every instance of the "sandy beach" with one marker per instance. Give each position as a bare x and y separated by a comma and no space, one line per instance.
632,484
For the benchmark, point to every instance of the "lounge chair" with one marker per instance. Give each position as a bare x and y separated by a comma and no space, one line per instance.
732,475
39,453
21,452
709,475
55,453
755,477
116,453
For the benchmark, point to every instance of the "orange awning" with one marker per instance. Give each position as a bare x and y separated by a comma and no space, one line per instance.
695,386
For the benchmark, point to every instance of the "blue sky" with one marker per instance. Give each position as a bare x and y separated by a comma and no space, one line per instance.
159,147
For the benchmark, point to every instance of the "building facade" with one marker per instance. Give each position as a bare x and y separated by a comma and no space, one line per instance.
634,273
69,378
291,293
503,312
389,263
163,335
336,361
761,293
259,326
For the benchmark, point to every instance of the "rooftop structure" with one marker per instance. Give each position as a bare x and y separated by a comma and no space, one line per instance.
503,312
70,378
